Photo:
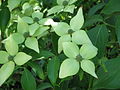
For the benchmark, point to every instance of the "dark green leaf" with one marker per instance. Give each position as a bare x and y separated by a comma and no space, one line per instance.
118,28
52,68
37,69
44,86
4,18
28,81
99,37
108,80
111,7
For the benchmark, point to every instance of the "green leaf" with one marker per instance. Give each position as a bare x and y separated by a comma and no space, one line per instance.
4,18
89,67
13,4
70,49
64,38
68,67
28,20
110,79
88,51
44,86
80,37
28,81
3,57
19,38
21,58
111,7
32,43
22,26
37,14
95,8
5,71
55,9
77,21
33,28
92,20
11,46
69,8
117,24
37,69
59,30
99,38
52,69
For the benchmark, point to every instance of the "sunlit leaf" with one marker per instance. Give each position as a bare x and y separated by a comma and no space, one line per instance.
64,38
69,8
33,28
13,4
11,46
21,58
89,67
28,20
22,26
77,21
37,14
5,71
70,49
68,67
3,57
61,28
32,43
80,37
19,38
88,51
55,9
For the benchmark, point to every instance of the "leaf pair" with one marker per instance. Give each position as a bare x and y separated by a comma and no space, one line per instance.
70,66
63,5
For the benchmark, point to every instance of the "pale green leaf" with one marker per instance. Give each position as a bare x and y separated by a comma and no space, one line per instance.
22,26
11,46
89,67
3,57
19,38
28,20
13,4
70,49
21,58
69,8
77,21
55,9
68,67
41,30
88,51
5,71
61,28
64,38
33,28
80,37
32,43
37,14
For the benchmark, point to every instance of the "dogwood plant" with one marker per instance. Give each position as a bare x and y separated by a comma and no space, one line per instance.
71,36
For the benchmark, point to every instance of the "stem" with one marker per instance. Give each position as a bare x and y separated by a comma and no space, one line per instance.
107,24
